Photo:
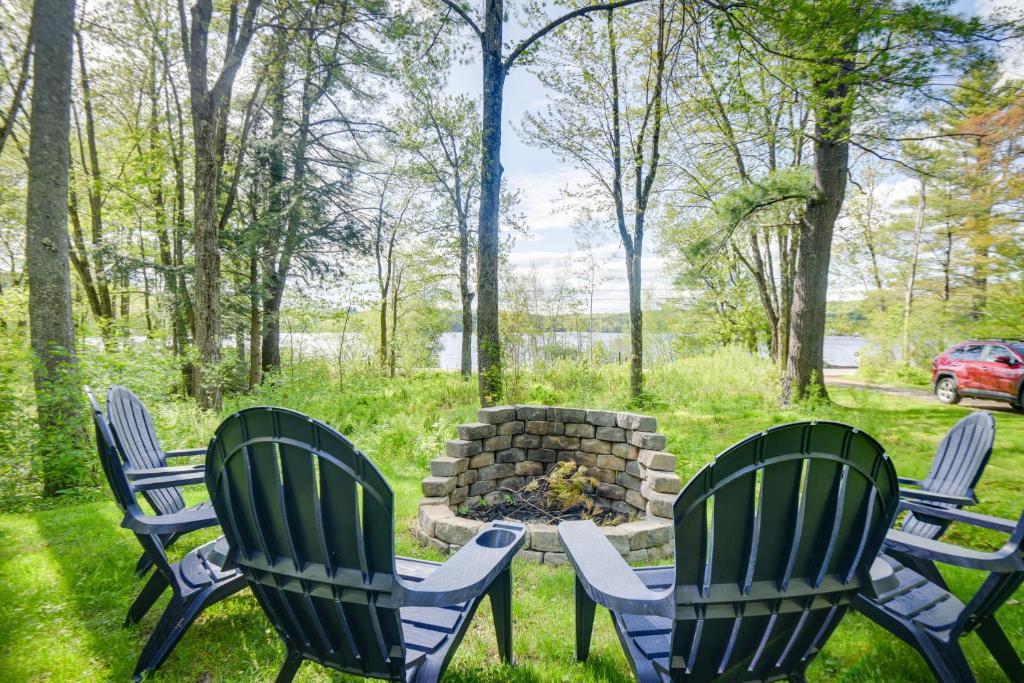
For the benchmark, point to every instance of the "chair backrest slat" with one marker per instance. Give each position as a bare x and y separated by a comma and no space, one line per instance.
772,540
139,446
959,463
310,522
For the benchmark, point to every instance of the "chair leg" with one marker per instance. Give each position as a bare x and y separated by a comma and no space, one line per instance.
585,608
176,619
153,589
946,660
290,667
142,566
145,564
992,634
500,594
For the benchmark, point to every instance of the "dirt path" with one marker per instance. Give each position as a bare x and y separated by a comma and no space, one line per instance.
845,378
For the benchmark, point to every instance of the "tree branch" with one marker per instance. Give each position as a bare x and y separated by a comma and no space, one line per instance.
543,31
465,17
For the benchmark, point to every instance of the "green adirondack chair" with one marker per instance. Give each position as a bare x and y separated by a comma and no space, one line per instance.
772,541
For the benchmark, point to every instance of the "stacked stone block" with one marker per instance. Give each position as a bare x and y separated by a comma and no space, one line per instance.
510,445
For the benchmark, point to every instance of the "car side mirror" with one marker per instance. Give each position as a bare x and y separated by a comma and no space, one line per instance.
1005,359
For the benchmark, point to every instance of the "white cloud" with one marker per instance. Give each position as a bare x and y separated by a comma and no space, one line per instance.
542,197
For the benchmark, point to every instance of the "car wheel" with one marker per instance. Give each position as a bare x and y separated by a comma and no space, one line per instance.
945,390
1018,405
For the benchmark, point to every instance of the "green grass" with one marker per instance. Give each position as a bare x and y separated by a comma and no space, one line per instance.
66,573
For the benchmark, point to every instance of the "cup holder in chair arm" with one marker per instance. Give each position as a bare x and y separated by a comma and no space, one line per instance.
495,538
471,569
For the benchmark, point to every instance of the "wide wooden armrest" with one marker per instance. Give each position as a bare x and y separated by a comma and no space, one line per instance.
178,522
605,576
977,519
469,572
139,474
162,481
186,453
907,481
933,497
947,553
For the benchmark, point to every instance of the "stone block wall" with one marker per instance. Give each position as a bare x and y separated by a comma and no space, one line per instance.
510,445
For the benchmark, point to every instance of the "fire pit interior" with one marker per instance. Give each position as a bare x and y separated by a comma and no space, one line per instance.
528,462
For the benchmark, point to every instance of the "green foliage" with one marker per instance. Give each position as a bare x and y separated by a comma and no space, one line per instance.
778,191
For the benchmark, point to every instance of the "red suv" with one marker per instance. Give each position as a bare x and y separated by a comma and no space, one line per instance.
992,369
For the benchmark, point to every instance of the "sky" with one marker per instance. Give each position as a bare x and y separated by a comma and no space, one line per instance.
541,181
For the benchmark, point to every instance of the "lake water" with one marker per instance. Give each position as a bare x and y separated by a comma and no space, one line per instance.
840,351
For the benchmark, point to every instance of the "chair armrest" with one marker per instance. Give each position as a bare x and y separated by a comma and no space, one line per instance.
179,522
933,497
471,570
947,553
907,481
186,453
140,474
605,576
158,481
977,519
883,578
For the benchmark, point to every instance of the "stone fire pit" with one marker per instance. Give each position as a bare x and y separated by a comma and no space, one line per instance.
510,445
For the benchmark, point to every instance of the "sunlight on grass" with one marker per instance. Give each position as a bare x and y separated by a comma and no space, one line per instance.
66,574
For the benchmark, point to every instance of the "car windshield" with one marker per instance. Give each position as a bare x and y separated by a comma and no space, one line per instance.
1018,347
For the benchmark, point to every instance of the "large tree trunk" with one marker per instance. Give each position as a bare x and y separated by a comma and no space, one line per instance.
488,340
210,108
271,351
207,262
46,254
276,201
804,367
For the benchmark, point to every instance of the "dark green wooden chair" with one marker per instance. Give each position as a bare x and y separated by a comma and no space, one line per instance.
310,523
196,581
928,616
135,437
772,541
959,463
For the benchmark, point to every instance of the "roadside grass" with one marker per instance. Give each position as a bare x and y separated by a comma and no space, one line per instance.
66,573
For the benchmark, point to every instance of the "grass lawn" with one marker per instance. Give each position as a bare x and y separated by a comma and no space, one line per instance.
66,573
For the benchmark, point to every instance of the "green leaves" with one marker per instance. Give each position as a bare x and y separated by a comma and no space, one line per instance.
780,191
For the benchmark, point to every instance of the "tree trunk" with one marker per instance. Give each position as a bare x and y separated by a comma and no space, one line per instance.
46,253
392,357
206,289
636,321
804,367
908,296
271,351
383,351
488,339
466,297
255,324
147,310
25,64
210,108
